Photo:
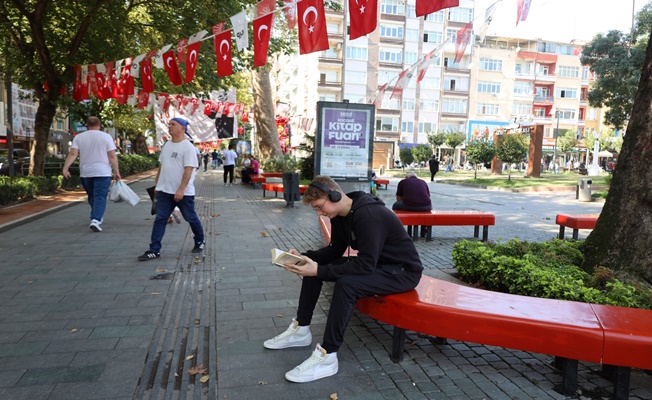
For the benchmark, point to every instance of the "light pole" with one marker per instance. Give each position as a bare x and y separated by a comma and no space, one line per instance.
554,152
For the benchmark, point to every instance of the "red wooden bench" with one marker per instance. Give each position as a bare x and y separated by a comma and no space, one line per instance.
381,181
619,338
257,178
428,219
278,188
272,174
575,221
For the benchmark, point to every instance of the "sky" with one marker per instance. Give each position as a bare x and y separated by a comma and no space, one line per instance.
560,20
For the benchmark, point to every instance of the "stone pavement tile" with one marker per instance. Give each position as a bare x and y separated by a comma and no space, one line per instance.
64,346
92,391
27,393
44,376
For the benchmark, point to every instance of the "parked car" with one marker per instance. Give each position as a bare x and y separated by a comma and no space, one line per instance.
21,158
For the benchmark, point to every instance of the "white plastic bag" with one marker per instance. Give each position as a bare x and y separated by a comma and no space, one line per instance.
124,193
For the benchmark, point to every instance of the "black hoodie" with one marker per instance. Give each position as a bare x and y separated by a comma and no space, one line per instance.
375,232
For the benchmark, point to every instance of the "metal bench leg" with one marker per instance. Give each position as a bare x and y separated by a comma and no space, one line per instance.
569,375
398,344
476,231
561,231
409,230
264,193
415,232
576,234
621,382
485,233
429,234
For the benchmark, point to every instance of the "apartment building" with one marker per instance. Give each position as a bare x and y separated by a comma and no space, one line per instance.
496,82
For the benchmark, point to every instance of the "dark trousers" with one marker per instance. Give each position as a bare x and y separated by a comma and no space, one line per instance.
386,279
228,170
432,175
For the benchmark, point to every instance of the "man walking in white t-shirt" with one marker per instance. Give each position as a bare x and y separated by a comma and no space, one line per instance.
175,188
229,156
97,157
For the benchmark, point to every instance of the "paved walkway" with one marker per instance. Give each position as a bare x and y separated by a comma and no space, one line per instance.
80,318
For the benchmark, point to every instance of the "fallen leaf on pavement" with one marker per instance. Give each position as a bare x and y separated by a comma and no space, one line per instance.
197,369
73,330
204,379
264,234
215,215
333,396
190,357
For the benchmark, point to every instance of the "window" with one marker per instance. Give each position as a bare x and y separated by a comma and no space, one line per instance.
407,127
523,69
542,91
392,7
390,104
456,83
411,11
429,82
410,58
330,53
385,76
540,112
591,114
60,124
435,17
566,113
356,53
566,93
545,47
412,35
391,31
449,62
487,109
359,77
333,28
408,104
543,69
488,64
327,97
489,87
586,73
459,14
329,76
451,35
388,124
432,37
427,127
453,105
523,88
429,105
568,72
390,55
521,108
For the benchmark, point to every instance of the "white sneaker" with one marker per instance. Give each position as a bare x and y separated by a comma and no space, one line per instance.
95,225
319,365
294,336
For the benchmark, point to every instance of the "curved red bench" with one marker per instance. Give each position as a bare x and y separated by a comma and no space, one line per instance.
414,219
576,222
381,181
272,174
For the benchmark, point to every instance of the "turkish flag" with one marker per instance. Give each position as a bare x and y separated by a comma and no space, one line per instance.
208,108
195,105
92,82
171,67
364,17
103,92
223,53
312,26
111,81
182,50
77,86
218,28
146,79
191,61
462,40
425,7
245,116
143,99
126,84
522,10
262,33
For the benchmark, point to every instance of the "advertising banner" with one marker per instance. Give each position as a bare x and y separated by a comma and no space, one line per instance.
344,142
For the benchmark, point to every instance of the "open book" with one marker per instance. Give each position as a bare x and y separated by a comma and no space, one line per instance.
280,257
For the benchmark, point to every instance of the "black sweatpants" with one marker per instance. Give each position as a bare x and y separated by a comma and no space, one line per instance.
228,170
386,279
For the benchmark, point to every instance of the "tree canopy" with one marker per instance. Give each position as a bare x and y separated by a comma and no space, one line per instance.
480,151
512,149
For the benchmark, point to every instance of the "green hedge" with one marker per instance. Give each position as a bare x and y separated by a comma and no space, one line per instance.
21,188
548,270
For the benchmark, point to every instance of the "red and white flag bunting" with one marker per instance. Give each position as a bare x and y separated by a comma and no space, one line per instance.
364,17
312,26
425,7
401,83
522,10
262,34
223,53
462,40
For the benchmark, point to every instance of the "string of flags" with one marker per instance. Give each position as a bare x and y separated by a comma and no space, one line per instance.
116,79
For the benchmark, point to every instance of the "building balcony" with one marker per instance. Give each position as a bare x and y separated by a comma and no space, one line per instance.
445,114
584,102
456,92
458,69
543,99
336,85
542,120
388,112
391,40
331,60
547,78
524,76
335,36
384,64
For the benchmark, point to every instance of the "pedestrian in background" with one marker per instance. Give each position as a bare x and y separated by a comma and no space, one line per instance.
412,194
433,164
229,156
214,158
175,187
97,158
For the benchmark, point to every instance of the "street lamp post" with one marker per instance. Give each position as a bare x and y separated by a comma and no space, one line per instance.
554,153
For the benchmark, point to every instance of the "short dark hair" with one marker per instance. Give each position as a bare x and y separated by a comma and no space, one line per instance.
92,122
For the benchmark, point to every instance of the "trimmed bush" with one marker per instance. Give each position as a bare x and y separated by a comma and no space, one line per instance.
548,270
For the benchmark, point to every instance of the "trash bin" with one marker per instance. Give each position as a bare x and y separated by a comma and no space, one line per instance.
291,188
583,191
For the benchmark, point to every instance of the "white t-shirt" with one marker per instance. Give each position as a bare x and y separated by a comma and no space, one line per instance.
229,157
174,158
93,146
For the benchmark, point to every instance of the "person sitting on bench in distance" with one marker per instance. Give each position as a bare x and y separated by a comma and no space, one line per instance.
412,194
387,263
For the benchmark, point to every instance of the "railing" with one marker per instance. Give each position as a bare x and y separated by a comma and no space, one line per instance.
543,99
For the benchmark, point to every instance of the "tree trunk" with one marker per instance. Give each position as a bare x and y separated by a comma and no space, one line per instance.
42,122
268,144
139,144
621,238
